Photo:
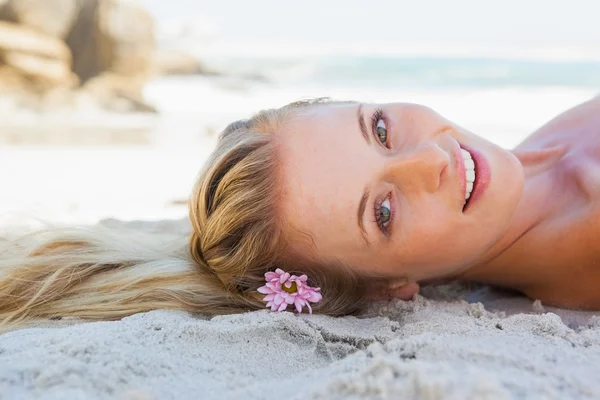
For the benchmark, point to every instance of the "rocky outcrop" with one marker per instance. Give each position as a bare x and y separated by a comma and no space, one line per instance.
112,36
33,60
55,18
101,47
23,39
175,62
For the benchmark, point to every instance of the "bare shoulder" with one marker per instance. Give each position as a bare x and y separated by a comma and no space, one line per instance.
564,251
580,120
567,260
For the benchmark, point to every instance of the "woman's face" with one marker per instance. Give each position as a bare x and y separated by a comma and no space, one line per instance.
381,188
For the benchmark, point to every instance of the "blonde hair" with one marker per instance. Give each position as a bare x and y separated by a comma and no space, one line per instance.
98,273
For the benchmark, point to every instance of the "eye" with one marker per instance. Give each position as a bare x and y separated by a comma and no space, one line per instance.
383,214
382,132
379,127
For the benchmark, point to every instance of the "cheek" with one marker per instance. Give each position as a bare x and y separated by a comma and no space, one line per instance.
432,237
503,195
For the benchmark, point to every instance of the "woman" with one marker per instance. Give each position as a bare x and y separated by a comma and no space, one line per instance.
367,201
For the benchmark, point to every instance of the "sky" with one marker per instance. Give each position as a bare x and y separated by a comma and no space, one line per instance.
479,23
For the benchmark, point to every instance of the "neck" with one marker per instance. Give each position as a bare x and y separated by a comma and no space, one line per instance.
537,204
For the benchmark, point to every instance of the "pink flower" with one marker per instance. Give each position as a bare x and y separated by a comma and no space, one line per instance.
283,289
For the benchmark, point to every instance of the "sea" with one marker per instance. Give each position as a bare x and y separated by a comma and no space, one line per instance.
422,73
501,98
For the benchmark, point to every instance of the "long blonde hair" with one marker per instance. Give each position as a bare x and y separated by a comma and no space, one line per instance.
99,273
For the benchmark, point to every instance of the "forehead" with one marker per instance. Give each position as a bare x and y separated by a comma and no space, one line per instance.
324,168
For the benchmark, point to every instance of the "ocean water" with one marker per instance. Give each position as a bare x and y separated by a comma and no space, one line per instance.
421,73
501,99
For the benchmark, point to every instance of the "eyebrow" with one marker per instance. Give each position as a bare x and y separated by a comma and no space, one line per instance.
362,124
362,206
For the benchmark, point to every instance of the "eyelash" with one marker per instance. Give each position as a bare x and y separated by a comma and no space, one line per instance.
378,115
376,210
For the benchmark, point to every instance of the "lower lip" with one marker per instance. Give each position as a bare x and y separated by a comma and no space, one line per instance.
482,177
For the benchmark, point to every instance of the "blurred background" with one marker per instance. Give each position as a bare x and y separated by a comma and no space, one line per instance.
108,108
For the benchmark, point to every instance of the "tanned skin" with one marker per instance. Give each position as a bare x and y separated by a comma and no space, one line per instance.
555,257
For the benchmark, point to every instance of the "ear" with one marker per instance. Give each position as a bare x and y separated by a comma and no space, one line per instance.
399,289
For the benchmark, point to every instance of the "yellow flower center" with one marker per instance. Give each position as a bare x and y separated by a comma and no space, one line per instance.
291,289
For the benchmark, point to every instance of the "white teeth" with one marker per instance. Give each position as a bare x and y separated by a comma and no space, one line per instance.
470,176
469,172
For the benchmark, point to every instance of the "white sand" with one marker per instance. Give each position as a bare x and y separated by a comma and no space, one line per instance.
424,349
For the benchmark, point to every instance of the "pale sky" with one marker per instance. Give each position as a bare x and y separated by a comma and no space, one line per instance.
526,23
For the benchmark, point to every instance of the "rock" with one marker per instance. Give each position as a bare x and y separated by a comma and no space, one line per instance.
17,38
45,71
118,93
173,62
84,43
32,61
52,17
126,37
12,80
114,37
65,53
4,9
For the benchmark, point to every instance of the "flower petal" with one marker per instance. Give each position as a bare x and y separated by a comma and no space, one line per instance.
284,277
315,297
269,276
265,290
277,296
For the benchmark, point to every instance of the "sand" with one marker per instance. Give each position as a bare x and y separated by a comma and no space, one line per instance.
434,347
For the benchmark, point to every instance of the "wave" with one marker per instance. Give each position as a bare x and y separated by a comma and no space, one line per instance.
418,72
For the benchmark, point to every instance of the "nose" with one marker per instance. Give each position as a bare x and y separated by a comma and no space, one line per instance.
417,169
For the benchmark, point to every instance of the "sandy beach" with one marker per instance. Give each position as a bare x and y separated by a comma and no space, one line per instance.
438,346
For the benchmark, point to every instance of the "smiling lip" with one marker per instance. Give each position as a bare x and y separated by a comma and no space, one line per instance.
482,177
